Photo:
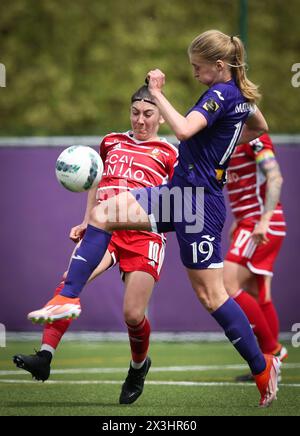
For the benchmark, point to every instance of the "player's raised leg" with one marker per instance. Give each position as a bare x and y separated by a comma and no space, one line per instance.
117,213
38,364
70,308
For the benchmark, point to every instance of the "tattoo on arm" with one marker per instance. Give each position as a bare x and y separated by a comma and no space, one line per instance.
271,171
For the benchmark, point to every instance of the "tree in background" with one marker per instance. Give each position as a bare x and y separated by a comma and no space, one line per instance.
71,66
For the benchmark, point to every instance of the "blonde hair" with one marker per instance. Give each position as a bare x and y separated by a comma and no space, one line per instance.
214,45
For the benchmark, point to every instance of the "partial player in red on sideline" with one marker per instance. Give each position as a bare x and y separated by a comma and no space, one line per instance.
257,234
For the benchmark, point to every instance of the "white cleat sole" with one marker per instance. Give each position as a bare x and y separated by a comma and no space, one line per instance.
45,316
275,375
283,355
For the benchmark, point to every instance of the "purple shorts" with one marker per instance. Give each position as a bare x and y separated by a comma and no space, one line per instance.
196,216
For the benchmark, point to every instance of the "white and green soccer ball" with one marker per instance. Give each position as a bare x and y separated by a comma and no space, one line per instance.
79,168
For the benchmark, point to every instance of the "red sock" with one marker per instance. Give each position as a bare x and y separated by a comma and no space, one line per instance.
257,319
268,308
139,340
271,317
53,333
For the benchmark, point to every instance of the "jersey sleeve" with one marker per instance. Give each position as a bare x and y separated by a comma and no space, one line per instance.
103,148
262,148
172,162
211,106
253,110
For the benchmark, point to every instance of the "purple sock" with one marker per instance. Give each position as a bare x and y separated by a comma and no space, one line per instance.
238,330
86,258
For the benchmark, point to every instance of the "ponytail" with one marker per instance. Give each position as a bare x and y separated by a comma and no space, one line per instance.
214,45
249,89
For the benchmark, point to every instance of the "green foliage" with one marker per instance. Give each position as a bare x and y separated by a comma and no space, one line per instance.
72,65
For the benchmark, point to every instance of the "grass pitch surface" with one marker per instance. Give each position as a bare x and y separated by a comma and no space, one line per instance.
186,379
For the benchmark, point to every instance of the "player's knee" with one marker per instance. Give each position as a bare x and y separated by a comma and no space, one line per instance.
230,287
207,303
211,298
229,284
253,292
204,297
99,218
133,316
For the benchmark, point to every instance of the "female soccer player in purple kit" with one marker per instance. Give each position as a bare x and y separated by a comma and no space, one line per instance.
223,116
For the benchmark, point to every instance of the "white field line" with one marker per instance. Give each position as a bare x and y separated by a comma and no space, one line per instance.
155,383
198,368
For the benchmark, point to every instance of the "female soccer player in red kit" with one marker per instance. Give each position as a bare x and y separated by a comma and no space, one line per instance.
254,187
222,116
131,160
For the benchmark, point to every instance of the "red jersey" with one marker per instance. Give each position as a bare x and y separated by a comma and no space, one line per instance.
129,163
247,183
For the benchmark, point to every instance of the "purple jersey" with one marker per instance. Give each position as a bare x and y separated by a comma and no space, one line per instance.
204,158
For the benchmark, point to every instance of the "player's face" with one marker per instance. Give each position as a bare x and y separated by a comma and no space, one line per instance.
206,72
145,120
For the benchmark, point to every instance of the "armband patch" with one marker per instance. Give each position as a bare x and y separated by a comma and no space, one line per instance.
266,155
211,105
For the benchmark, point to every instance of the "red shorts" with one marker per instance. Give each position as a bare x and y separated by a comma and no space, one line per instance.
259,259
138,251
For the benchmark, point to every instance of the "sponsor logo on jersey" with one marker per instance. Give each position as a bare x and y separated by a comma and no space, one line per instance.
219,94
211,105
155,152
152,263
77,257
219,174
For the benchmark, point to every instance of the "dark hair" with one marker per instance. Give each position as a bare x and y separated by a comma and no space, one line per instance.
143,94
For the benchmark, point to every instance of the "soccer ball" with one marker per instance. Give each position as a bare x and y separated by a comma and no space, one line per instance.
79,168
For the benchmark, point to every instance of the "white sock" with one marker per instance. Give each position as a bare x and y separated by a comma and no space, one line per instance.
136,365
46,347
